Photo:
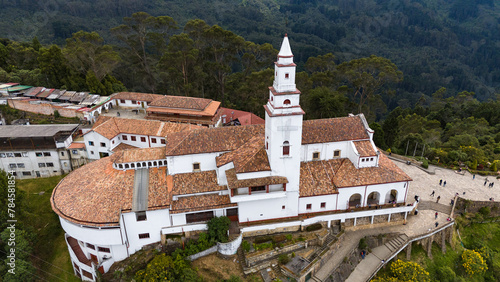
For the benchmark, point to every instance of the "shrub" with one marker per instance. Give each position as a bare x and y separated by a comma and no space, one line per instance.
283,259
57,114
362,244
245,245
474,165
408,271
263,246
485,211
473,263
289,237
493,167
314,227
425,164
217,229
446,274
262,239
279,238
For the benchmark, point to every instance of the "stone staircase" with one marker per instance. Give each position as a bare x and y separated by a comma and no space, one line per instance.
396,243
241,257
330,238
431,205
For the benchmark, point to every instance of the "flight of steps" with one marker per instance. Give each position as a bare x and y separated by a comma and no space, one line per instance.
325,246
396,243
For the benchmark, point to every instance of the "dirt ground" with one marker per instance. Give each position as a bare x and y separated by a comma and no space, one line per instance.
214,268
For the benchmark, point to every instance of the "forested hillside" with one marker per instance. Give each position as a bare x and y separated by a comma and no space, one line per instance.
436,43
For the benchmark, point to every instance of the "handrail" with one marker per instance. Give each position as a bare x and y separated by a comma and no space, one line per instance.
410,240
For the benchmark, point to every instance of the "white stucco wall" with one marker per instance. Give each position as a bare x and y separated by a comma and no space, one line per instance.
184,164
31,163
155,220
329,200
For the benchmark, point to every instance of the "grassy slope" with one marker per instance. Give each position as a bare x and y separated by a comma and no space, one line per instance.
50,251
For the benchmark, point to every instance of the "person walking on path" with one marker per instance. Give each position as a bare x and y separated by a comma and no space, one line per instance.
485,181
437,223
436,215
432,194
438,198
444,183
473,176
440,182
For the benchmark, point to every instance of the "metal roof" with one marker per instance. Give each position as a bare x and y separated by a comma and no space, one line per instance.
45,130
67,95
79,97
56,94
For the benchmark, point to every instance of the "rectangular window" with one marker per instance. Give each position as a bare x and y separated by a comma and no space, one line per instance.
50,164
316,156
308,206
74,152
122,101
12,166
46,154
17,155
323,205
10,155
104,250
87,274
91,152
336,153
144,236
143,139
153,140
90,246
199,217
196,166
41,164
27,173
124,137
133,138
39,154
62,154
258,188
103,144
163,141
141,216
287,75
91,143
282,207
20,165
25,154
2,155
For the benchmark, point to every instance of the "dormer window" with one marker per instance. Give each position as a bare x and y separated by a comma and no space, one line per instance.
287,102
196,166
286,148
316,156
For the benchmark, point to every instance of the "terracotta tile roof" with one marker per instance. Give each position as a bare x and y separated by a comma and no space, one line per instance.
333,130
316,177
136,96
110,127
209,111
250,157
196,182
245,118
98,198
386,172
201,202
233,182
77,145
123,146
209,140
159,195
365,148
140,154
181,102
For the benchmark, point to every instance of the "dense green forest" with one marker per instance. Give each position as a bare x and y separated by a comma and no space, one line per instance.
435,43
160,55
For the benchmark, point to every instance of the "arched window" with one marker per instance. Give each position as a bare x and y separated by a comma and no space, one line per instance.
126,166
286,102
286,148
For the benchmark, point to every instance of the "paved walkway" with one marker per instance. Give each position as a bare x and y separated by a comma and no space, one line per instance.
423,184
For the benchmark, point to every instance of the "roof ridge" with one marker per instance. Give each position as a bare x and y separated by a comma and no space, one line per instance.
181,141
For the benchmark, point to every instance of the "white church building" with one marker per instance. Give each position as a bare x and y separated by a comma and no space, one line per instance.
264,175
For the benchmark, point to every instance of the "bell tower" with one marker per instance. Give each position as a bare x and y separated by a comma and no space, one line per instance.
284,116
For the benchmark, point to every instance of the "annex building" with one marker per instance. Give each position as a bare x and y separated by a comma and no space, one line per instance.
282,171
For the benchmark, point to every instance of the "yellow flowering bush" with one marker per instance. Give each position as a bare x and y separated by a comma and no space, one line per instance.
473,263
409,271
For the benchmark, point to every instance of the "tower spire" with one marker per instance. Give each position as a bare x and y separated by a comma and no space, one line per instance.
285,51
